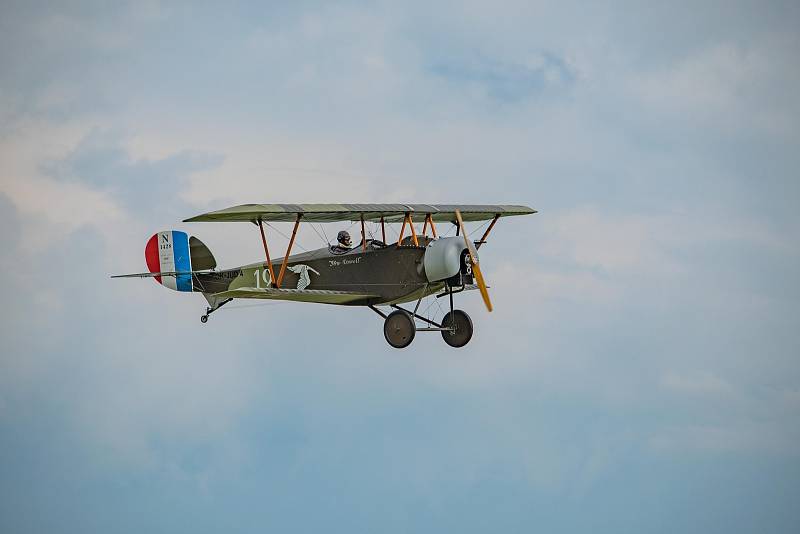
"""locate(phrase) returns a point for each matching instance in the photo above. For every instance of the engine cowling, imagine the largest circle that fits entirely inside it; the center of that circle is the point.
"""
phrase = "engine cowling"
(442, 258)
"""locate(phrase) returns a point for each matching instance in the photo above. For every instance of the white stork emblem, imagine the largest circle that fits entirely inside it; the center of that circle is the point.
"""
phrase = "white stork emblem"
(302, 270)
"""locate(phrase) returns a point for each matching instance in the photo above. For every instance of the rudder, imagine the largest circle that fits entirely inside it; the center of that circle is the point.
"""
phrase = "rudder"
(175, 251)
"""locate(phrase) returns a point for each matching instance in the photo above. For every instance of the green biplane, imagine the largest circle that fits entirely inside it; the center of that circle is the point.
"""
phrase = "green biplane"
(373, 273)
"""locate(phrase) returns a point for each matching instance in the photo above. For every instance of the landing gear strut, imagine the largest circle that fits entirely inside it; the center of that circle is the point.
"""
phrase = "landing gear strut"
(400, 328)
(209, 311)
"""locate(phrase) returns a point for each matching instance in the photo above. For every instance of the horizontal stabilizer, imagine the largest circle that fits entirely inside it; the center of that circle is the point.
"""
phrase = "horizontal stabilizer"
(164, 273)
(321, 296)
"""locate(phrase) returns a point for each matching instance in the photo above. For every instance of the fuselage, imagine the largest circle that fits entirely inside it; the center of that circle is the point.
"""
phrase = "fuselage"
(393, 274)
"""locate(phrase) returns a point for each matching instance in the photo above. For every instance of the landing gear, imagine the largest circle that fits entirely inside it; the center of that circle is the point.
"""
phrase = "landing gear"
(209, 311)
(458, 327)
(399, 329)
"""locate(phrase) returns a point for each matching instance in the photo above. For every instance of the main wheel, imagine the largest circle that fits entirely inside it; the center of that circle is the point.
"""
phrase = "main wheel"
(399, 329)
(462, 332)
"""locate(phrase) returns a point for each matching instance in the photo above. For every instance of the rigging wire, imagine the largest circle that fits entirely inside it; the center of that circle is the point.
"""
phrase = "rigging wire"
(440, 306)
(322, 227)
(479, 227)
(430, 304)
(393, 230)
(296, 242)
(315, 231)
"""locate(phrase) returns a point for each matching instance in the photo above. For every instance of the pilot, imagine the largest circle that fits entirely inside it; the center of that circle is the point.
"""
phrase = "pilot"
(344, 243)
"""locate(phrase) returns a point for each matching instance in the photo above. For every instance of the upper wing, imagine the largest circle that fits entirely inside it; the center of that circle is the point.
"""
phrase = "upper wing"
(354, 212)
(299, 295)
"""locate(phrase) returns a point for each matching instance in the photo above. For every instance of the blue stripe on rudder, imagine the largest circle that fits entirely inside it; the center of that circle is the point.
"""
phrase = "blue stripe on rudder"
(180, 249)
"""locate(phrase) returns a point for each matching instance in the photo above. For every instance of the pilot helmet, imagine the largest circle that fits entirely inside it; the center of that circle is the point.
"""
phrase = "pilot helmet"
(344, 238)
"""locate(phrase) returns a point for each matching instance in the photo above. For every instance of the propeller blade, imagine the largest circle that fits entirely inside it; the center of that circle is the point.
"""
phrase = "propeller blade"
(476, 269)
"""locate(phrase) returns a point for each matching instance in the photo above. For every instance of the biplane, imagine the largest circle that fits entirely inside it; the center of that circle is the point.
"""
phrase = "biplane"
(374, 273)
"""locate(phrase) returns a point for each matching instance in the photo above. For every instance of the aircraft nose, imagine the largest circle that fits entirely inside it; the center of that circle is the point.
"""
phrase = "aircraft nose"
(442, 258)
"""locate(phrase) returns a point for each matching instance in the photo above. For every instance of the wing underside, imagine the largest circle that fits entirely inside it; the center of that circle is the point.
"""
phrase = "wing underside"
(297, 295)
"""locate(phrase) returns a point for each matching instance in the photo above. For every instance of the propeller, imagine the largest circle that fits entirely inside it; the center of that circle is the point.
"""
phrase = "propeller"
(476, 268)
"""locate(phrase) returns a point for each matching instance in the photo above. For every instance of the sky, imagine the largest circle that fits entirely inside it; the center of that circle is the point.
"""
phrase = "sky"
(639, 373)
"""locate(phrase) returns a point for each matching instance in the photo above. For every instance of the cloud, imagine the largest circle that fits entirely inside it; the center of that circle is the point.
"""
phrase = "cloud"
(643, 335)
(157, 392)
(9, 224)
(101, 161)
(615, 244)
(731, 87)
(545, 73)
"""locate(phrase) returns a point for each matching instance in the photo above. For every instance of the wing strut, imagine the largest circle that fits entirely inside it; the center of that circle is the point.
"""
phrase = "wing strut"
(486, 233)
(363, 235)
(288, 251)
(413, 230)
(402, 229)
(429, 218)
(266, 251)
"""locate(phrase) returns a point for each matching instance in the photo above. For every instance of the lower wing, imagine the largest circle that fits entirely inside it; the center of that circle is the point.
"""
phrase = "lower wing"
(321, 296)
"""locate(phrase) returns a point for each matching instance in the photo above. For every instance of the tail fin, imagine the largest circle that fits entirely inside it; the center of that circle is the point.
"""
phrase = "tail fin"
(176, 253)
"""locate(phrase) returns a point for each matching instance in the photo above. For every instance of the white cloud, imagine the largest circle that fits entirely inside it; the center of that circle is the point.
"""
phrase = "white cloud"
(615, 243)
(51, 209)
(589, 296)
(729, 86)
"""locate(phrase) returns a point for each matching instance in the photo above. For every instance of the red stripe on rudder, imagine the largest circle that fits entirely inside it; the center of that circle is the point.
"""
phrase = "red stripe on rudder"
(151, 256)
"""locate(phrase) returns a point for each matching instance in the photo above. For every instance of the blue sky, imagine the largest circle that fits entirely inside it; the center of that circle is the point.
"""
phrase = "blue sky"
(640, 372)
